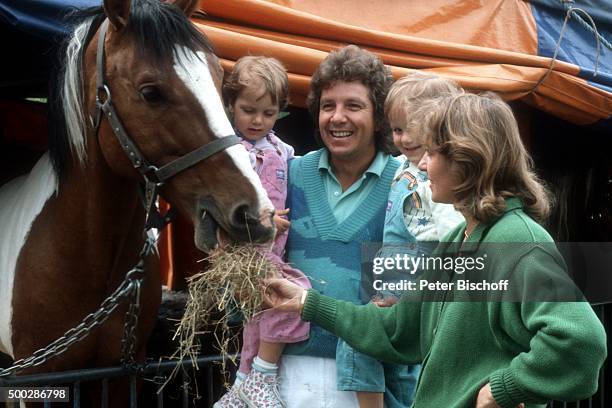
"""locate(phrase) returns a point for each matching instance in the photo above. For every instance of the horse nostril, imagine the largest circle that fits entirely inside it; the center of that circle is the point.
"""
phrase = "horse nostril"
(241, 216)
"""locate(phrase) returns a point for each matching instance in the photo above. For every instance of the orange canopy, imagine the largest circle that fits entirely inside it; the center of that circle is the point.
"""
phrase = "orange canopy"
(490, 45)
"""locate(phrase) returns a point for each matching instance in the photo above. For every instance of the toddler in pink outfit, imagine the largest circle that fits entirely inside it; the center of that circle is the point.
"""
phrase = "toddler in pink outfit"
(255, 92)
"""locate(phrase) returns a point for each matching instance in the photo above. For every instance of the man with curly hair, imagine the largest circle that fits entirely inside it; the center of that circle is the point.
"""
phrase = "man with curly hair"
(338, 197)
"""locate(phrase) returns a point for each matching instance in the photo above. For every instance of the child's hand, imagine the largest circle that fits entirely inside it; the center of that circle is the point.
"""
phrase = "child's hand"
(282, 225)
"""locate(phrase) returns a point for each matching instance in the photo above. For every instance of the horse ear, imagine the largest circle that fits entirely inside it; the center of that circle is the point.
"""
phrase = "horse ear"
(188, 6)
(118, 12)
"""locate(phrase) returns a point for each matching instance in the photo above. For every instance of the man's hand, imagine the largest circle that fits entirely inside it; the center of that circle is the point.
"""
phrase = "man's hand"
(283, 295)
(485, 398)
(282, 225)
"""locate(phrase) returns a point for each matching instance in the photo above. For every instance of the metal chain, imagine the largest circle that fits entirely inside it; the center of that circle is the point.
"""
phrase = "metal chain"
(128, 342)
(130, 285)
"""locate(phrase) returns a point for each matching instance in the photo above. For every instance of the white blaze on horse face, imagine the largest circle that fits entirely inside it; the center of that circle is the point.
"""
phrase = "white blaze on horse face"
(193, 69)
(21, 201)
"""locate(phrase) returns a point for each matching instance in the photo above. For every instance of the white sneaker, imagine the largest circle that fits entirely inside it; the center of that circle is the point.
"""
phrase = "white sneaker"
(230, 399)
(260, 391)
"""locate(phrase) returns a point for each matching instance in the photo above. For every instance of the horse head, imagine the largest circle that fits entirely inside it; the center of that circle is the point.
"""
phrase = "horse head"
(164, 82)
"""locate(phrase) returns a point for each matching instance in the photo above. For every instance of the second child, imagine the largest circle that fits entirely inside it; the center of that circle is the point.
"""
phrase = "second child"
(414, 224)
(255, 92)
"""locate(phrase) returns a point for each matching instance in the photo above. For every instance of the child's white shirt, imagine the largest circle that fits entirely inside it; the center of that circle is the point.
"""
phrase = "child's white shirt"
(425, 219)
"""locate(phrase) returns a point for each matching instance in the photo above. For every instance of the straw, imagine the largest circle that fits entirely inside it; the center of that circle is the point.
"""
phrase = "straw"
(231, 286)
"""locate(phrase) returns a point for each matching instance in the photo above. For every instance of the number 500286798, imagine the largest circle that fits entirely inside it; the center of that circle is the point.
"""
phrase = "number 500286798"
(34, 394)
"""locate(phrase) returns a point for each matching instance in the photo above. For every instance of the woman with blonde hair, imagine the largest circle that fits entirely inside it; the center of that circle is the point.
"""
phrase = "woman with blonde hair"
(522, 352)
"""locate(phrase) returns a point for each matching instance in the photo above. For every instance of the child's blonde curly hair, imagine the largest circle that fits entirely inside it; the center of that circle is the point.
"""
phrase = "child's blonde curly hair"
(409, 92)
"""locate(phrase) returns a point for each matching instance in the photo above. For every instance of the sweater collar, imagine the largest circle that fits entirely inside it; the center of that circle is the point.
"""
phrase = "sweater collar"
(376, 167)
(512, 203)
(454, 242)
(326, 223)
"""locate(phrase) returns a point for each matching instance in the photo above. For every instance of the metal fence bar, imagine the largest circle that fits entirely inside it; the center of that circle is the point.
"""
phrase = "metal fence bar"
(160, 398)
(77, 395)
(65, 377)
(209, 385)
(133, 394)
(105, 393)
(76, 377)
(602, 385)
(606, 320)
(91, 374)
(185, 399)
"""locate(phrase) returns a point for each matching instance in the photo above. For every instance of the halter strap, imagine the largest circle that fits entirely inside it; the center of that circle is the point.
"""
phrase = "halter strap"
(104, 105)
(195, 156)
(149, 172)
(154, 177)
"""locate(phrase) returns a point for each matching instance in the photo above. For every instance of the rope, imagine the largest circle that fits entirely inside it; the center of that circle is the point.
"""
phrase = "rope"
(598, 36)
(573, 11)
(592, 28)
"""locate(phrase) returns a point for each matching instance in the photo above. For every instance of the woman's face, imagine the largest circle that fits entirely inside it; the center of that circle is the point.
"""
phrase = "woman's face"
(346, 121)
(442, 176)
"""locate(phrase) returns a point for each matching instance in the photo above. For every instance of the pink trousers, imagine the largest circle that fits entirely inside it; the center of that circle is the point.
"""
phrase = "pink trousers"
(273, 326)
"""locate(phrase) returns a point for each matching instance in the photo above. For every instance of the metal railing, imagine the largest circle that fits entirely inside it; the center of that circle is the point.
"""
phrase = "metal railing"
(192, 387)
(603, 396)
(197, 388)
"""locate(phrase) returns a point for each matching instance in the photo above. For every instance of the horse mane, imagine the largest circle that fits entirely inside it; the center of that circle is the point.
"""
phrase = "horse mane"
(157, 28)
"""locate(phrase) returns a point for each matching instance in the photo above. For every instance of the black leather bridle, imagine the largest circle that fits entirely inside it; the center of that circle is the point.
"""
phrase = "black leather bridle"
(154, 177)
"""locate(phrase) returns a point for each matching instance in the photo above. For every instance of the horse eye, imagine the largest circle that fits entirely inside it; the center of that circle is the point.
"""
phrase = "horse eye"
(151, 94)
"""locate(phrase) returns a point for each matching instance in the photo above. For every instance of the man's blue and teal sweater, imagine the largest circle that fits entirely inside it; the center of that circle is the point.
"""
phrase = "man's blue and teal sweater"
(327, 252)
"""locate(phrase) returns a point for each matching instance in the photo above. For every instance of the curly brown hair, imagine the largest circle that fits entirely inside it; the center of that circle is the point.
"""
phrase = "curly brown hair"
(350, 64)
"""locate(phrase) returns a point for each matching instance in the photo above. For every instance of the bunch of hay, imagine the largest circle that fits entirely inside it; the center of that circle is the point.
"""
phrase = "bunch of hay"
(231, 285)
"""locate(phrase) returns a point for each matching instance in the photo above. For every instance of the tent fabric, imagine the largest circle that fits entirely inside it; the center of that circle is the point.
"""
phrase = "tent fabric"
(499, 45)
(43, 18)
(504, 46)
(579, 46)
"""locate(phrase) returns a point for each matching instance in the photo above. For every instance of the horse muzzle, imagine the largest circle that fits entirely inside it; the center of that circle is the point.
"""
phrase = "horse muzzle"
(239, 224)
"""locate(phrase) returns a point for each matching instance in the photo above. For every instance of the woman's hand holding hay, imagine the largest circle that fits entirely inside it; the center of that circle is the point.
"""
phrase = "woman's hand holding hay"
(229, 286)
(283, 295)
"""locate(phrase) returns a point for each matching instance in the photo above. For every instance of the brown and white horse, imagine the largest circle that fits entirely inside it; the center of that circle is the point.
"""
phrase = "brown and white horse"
(73, 227)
